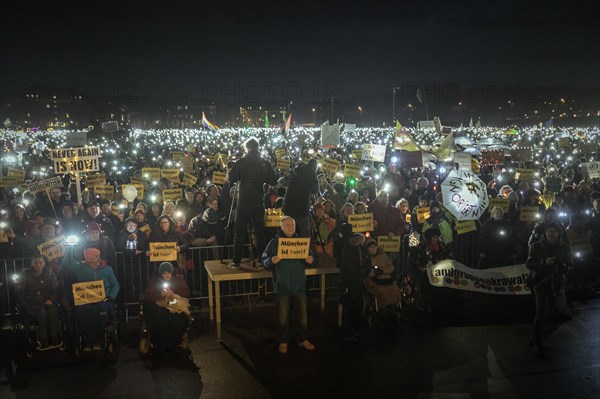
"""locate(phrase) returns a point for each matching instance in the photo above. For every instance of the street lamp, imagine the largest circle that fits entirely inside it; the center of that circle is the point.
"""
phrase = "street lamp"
(360, 110)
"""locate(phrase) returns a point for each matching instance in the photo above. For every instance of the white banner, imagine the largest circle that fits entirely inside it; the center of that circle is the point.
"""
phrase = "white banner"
(463, 159)
(507, 280)
(373, 152)
(330, 135)
(591, 169)
(349, 127)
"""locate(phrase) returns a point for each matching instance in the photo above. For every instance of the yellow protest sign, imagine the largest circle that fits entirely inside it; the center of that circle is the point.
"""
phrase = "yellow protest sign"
(527, 175)
(105, 192)
(189, 179)
(96, 179)
(499, 202)
(273, 217)
(283, 164)
(163, 251)
(9, 182)
(529, 214)
(171, 174)
(408, 217)
(423, 214)
(330, 165)
(135, 181)
(357, 154)
(146, 229)
(53, 249)
(171, 194)
(212, 158)
(389, 244)
(151, 173)
(361, 222)
(293, 248)
(475, 166)
(3, 237)
(178, 155)
(218, 177)
(187, 164)
(352, 171)
(465, 226)
(563, 142)
(280, 153)
(88, 292)
(18, 173)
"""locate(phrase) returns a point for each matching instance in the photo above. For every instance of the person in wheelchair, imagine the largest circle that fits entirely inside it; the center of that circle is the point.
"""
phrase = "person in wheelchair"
(37, 294)
(92, 318)
(166, 308)
(381, 282)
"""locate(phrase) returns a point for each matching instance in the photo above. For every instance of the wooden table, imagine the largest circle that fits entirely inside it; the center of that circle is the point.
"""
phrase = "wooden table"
(218, 272)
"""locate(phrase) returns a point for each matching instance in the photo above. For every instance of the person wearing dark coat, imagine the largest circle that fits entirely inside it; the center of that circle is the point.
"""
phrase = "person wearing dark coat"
(297, 200)
(166, 328)
(164, 231)
(132, 244)
(71, 222)
(251, 172)
(497, 240)
(95, 215)
(105, 245)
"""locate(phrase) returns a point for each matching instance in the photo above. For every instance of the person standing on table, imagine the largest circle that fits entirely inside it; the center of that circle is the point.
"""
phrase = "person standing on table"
(296, 203)
(289, 285)
(251, 172)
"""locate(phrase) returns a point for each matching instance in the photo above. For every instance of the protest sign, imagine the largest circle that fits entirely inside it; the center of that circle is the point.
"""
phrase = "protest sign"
(177, 155)
(53, 249)
(330, 135)
(526, 175)
(361, 222)
(3, 237)
(218, 177)
(357, 154)
(43, 185)
(293, 248)
(76, 139)
(189, 179)
(152, 174)
(352, 171)
(146, 229)
(409, 160)
(163, 251)
(171, 174)
(581, 248)
(280, 153)
(88, 292)
(499, 202)
(212, 159)
(9, 182)
(18, 173)
(349, 127)
(283, 164)
(529, 214)
(465, 226)
(187, 164)
(463, 159)
(330, 165)
(73, 160)
(273, 217)
(423, 214)
(591, 170)
(563, 142)
(105, 192)
(373, 152)
(171, 194)
(95, 179)
(389, 244)
(507, 280)
(492, 157)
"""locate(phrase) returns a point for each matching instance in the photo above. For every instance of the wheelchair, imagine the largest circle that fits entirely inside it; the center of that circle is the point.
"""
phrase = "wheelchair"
(146, 342)
(413, 296)
(110, 346)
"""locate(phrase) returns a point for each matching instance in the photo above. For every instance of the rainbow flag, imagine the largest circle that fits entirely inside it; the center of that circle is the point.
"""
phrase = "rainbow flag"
(206, 123)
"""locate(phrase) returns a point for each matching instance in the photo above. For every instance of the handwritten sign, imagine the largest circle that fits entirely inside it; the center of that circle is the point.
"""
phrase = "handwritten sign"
(273, 217)
(163, 251)
(43, 185)
(499, 202)
(178, 155)
(357, 154)
(212, 159)
(465, 226)
(581, 248)
(463, 159)
(218, 177)
(529, 214)
(361, 222)
(189, 179)
(280, 153)
(352, 171)
(389, 244)
(409, 160)
(293, 248)
(330, 165)
(151, 173)
(423, 214)
(73, 160)
(171, 174)
(527, 175)
(283, 164)
(373, 152)
(105, 192)
(9, 182)
(95, 179)
(88, 292)
(18, 173)
(171, 194)
(591, 170)
(53, 249)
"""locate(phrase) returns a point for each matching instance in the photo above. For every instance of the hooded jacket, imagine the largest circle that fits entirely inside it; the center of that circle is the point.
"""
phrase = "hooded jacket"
(288, 274)
(84, 273)
(251, 172)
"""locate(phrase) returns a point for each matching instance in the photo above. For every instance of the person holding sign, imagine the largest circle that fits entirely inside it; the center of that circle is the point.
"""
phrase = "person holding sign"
(289, 285)
(92, 317)
(164, 231)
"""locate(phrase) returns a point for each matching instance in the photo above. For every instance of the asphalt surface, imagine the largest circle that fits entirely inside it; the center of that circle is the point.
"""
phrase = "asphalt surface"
(478, 351)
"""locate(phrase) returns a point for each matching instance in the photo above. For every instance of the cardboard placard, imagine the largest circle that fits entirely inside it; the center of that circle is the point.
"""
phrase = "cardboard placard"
(187, 164)
(527, 175)
(563, 142)
(18, 173)
(499, 202)
(373, 152)
(283, 164)
(218, 177)
(44, 185)
(423, 214)
(9, 182)
(273, 217)
(105, 192)
(293, 248)
(163, 251)
(88, 292)
(73, 160)
(330, 165)
(189, 179)
(529, 214)
(53, 249)
(95, 179)
(280, 153)
(152, 174)
(361, 222)
(177, 155)
(463, 159)
(352, 171)
(171, 174)
(389, 244)
(357, 154)
(465, 226)
(171, 194)
(212, 159)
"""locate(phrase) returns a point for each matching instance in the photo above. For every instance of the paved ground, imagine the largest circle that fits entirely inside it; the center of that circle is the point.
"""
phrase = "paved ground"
(479, 352)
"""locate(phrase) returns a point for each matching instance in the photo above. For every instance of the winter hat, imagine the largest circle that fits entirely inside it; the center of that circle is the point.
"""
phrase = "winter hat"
(165, 267)
(92, 226)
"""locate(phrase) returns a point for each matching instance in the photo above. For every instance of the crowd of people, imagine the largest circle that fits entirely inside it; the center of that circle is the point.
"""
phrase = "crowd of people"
(560, 244)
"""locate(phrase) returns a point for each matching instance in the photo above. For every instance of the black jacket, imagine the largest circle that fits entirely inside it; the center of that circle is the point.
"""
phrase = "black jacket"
(252, 172)
(303, 183)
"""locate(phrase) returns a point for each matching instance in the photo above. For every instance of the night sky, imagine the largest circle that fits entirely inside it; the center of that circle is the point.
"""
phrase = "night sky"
(345, 49)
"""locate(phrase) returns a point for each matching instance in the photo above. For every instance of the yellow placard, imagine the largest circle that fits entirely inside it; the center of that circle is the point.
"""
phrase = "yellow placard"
(88, 292)
(187, 164)
(152, 174)
(529, 214)
(138, 187)
(212, 158)
(475, 166)
(527, 175)
(171, 174)
(499, 202)
(465, 226)
(171, 194)
(352, 171)
(273, 217)
(423, 214)
(135, 181)
(283, 164)
(218, 177)
(18, 173)
(361, 222)
(330, 165)
(105, 192)
(9, 182)
(280, 153)
(53, 249)
(563, 142)
(163, 251)
(389, 244)
(189, 179)
(145, 229)
(223, 157)
(293, 248)
(3, 237)
(357, 154)
(96, 179)
(177, 155)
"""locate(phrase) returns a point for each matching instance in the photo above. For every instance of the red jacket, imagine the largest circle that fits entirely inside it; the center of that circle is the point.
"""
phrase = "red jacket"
(388, 220)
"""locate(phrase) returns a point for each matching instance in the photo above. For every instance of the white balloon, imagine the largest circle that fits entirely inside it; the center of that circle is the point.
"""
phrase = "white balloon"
(130, 193)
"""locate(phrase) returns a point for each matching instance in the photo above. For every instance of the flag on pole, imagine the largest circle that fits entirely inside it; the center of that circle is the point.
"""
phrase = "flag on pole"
(549, 123)
(471, 123)
(478, 123)
(446, 148)
(288, 123)
(403, 140)
(206, 123)
(267, 125)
